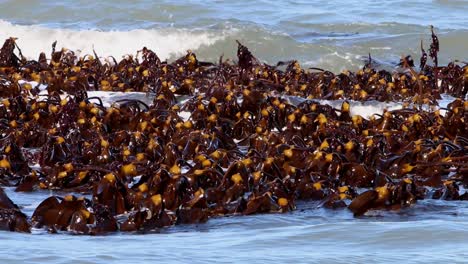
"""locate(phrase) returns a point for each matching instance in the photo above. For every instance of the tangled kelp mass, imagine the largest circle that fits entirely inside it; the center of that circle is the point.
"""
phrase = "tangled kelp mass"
(221, 139)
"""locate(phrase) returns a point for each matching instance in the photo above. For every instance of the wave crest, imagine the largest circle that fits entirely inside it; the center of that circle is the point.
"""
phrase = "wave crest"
(166, 42)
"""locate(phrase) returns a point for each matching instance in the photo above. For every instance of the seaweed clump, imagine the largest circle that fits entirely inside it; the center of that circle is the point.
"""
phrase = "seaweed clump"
(242, 143)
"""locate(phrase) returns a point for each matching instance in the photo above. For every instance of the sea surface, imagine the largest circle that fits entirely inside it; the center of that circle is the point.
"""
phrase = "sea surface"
(334, 35)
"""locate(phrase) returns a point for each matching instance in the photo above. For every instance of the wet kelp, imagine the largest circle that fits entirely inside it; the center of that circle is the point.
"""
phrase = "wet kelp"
(238, 145)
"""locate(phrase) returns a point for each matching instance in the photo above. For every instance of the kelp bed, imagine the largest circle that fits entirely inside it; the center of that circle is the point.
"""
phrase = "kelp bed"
(243, 148)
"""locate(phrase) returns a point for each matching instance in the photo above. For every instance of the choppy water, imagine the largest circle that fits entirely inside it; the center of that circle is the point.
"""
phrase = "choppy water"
(329, 34)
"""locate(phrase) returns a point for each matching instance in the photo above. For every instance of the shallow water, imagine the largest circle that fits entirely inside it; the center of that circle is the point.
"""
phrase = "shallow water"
(428, 232)
(335, 35)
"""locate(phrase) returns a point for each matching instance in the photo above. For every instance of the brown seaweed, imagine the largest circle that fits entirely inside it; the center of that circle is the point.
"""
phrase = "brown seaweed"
(255, 141)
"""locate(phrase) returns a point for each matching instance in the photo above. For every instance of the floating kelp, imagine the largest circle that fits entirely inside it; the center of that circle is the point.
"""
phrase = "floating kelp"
(11, 218)
(237, 145)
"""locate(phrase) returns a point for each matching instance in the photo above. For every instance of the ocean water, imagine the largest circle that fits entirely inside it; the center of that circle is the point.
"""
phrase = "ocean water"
(335, 35)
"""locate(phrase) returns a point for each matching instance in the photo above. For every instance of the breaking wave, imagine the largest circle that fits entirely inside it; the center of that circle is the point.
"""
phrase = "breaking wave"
(166, 42)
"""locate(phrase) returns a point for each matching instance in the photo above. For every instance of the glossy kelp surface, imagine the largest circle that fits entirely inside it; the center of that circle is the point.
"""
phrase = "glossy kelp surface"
(236, 145)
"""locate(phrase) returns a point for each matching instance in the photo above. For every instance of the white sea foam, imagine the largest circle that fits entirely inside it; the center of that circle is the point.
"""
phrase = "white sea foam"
(185, 115)
(165, 42)
(108, 98)
(364, 109)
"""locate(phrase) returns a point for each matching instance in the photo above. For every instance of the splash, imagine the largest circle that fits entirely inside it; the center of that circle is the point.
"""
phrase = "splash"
(166, 43)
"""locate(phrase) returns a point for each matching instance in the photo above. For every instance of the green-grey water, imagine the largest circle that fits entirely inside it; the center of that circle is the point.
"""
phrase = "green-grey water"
(335, 35)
